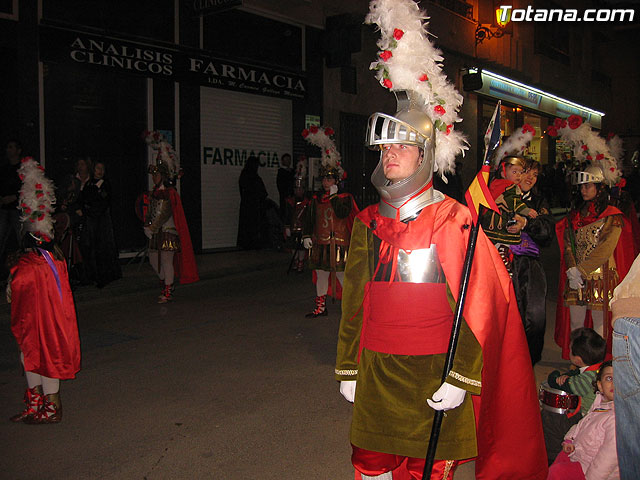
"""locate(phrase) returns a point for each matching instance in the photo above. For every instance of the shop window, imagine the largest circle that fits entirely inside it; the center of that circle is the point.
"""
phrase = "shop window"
(538, 149)
(142, 18)
(242, 36)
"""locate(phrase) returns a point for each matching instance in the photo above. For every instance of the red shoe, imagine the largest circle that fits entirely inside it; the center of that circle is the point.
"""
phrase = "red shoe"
(321, 308)
(33, 402)
(49, 412)
(166, 295)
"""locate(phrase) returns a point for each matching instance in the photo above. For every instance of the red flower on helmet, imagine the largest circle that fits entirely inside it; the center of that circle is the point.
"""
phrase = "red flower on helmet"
(613, 169)
(449, 128)
(39, 186)
(622, 183)
(41, 207)
(305, 133)
(313, 129)
(574, 121)
(584, 147)
(424, 77)
(387, 83)
(439, 110)
(552, 131)
(528, 128)
(386, 55)
(328, 131)
(557, 123)
(589, 157)
(41, 217)
(397, 33)
(600, 156)
(39, 195)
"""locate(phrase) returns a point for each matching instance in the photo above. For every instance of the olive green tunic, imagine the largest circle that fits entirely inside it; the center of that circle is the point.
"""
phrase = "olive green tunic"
(390, 410)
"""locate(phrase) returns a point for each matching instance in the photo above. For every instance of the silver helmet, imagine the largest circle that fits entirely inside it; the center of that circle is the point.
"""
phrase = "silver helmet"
(409, 126)
(591, 174)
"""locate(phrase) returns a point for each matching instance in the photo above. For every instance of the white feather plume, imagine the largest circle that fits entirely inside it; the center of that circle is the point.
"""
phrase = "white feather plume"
(37, 198)
(409, 61)
(321, 137)
(166, 154)
(515, 144)
(589, 147)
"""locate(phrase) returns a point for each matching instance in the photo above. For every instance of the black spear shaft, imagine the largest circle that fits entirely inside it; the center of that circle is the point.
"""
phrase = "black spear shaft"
(453, 344)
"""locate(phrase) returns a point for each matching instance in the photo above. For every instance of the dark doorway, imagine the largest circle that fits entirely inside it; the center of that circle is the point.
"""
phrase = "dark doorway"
(100, 115)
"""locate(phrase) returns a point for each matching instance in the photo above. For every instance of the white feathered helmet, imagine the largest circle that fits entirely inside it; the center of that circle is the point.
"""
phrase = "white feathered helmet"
(36, 201)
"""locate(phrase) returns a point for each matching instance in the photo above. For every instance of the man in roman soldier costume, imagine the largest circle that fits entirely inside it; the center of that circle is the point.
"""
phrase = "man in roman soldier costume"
(170, 249)
(401, 285)
(295, 215)
(328, 223)
(43, 315)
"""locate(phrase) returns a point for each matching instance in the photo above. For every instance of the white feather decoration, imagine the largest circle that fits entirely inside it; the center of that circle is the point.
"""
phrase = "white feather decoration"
(409, 61)
(515, 144)
(321, 137)
(587, 146)
(166, 154)
(37, 199)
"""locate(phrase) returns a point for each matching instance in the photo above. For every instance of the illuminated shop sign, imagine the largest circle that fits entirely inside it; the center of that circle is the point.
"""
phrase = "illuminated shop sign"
(504, 88)
(81, 48)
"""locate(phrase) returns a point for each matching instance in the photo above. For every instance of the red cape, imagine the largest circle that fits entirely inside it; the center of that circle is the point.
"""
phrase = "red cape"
(624, 257)
(498, 186)
(509, 428)
(43, 322)
(185, 260)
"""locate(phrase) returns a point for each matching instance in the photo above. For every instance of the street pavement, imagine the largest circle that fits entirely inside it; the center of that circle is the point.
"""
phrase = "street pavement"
(228, 381)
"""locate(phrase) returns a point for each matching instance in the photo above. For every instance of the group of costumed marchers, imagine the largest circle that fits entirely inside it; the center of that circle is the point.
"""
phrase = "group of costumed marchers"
(401, 284)
(43, 315)
(595, 239)
(170, 250)
(328, 222)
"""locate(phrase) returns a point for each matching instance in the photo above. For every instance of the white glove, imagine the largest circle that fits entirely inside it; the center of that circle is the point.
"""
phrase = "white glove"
(307, 243)
(348, 389)
(447, 397)
(148, 232)
(575, 278)
(333, 189)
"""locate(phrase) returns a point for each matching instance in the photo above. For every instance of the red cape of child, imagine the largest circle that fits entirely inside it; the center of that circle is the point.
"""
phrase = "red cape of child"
(43, 318)
(624, 257)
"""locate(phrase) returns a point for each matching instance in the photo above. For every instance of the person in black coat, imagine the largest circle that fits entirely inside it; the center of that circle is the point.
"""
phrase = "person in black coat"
(529, 280)
(103, 253)
(253, 196)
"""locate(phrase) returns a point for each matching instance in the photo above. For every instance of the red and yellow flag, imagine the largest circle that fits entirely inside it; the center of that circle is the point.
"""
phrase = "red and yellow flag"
(479, 194)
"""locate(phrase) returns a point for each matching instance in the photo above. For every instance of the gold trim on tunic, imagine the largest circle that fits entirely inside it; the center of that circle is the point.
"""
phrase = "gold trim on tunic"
(463, 379)
(345, 372)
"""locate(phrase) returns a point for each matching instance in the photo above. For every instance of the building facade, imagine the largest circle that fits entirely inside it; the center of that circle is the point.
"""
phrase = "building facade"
(227, 79)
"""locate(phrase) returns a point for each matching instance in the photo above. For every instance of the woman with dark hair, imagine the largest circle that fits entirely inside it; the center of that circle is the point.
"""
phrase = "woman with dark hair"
(43, 316)
(102, 251)
(529, 280)
(596, 252)
(253, 195)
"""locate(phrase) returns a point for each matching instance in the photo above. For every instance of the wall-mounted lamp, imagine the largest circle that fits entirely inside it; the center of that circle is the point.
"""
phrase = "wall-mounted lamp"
(488, 31)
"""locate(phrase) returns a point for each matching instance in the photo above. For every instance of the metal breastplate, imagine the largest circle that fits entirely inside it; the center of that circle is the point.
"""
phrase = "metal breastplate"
(587, 238)
(418, 266)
